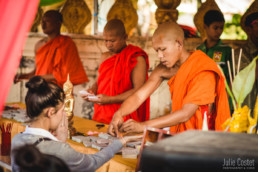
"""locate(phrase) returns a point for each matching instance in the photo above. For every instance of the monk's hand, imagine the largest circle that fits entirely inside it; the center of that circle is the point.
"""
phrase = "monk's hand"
(132, 126)
(92, 91)
(88, 95)
(101, 99)
(61, 131)
(115, 124)
(85, 97)
(16, 78)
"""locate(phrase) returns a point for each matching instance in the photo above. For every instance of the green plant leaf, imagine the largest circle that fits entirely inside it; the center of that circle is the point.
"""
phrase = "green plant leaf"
(243, 82)
(49, 2)
(228, 89)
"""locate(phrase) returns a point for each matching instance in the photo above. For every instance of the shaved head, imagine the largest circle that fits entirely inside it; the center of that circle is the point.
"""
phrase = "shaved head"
(117, 26)
(51, 22)
(168, 42)
(56, 15)
(169, 31)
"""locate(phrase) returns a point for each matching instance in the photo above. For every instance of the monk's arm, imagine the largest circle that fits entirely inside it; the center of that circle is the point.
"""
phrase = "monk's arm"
(20, 77)
(202, 90)
(136, 99)
(174, 118)
(138, 77)
(157, 76)
(27, 75)
(177, 117)
(49, 77)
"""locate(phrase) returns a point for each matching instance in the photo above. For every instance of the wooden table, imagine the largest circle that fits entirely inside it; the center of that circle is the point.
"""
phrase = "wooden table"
(115, 164)
(5, 163)
(83, 125)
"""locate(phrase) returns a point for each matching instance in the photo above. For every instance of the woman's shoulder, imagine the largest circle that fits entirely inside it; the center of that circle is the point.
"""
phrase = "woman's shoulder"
(22, 139)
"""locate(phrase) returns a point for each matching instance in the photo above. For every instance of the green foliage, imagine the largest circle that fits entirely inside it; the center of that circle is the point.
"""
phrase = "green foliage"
(233, 30)
(243, 82)
(49, 2)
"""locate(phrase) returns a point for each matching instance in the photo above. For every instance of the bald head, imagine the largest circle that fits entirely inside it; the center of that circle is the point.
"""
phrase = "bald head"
(117, 26)
(56, 15)
(51, 23)
(169, 31)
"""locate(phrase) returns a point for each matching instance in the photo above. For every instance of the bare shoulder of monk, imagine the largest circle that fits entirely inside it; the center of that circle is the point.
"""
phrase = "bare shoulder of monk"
(105, 56)
(39, 44)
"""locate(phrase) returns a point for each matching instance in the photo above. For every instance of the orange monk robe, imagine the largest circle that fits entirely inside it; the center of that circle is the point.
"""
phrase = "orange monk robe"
(115, 78)
(199, 81)
(60, 57)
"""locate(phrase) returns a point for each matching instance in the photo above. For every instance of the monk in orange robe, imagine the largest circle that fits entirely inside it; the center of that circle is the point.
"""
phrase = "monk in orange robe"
(196, 84)
(56, 55)
(123, 69)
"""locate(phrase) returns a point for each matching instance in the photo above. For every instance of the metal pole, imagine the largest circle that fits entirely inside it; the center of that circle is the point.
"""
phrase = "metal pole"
(95, 14)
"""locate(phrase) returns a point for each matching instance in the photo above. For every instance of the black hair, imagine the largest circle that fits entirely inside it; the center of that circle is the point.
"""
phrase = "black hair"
(55, 14)
(250, 18)
(41, 95)
(213, 16)
(30, 159)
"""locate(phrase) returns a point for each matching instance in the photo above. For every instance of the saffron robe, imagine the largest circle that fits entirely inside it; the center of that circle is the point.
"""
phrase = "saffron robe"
(60, 57)
(115, 78)
(185, 89)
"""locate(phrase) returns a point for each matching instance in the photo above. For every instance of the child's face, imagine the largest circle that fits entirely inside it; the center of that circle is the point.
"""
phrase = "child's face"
(214, 30)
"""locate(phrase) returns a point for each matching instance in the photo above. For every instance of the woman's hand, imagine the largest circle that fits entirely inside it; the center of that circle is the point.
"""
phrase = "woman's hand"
(62, 129)
(127, 139)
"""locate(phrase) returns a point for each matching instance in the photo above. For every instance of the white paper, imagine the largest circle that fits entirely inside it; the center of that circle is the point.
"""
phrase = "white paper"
(92, 97)
(84, 93)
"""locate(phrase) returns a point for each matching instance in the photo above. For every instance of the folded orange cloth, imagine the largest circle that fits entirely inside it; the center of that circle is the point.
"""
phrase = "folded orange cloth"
(60, 57)
(114, 78)
(194, 83)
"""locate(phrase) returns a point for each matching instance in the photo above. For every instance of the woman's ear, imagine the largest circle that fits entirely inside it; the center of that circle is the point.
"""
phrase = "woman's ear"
(51, 111)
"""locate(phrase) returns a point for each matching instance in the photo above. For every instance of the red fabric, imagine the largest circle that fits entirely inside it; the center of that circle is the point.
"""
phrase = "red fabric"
(114, 78)
(192, 90)
(60, 57)
(16, 18)
(210, 116)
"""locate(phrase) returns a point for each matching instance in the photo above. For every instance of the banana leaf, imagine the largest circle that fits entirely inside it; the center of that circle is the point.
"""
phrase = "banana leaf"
(243, 82)
(228, 89)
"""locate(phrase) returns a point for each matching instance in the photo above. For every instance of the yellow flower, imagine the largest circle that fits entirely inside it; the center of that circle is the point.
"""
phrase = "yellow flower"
(239, 121)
